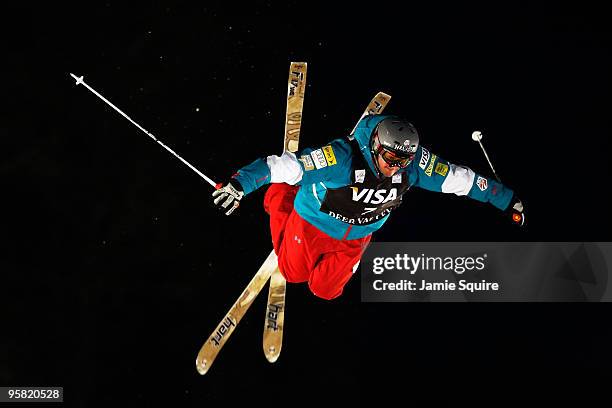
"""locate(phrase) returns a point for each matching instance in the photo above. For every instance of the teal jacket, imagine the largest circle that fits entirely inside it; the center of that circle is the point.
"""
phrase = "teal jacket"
(334, 167)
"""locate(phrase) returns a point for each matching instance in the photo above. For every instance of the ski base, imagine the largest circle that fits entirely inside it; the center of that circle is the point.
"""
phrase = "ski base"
(295, 103)
(224, 330)
(275, 317)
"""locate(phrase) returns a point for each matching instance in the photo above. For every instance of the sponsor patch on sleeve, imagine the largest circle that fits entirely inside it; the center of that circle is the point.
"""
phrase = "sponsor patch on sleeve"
(329, 155)
(482, 183)
(359, 176)
(441, 169)
(307, 162)
(431, 165)
(424, 158)
(319, 158)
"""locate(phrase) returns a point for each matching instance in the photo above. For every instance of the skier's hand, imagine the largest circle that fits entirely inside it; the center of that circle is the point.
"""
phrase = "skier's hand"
(516, 211)
(227, 198)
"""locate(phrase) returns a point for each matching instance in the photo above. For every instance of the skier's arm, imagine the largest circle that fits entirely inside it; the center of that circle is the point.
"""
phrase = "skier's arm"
(306, 167)
(310, 166)
(433, 173)
(244, 181)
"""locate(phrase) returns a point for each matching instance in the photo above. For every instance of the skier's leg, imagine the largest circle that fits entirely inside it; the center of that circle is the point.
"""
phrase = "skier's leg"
(296, 259)
(278, 203)
(293, 263)
(334, 269)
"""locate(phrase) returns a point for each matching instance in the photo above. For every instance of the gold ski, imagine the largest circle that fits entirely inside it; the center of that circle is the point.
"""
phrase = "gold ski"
(275, 310)
(375, 107)
(275, 317)
(295, 103)
(224, 330)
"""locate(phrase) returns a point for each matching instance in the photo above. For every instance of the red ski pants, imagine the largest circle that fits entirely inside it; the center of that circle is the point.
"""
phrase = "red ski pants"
(306, 254)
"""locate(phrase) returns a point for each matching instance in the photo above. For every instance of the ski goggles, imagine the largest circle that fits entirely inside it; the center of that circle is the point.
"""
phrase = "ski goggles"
(393, 160)
(390, 157)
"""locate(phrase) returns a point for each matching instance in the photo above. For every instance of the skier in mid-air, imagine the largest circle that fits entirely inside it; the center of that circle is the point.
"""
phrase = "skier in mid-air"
(324, 204)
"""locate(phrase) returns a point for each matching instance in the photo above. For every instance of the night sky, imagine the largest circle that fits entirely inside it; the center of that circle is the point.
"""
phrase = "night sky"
(116, 267)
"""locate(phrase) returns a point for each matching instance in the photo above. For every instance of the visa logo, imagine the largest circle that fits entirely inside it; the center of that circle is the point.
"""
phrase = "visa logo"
(371, 196)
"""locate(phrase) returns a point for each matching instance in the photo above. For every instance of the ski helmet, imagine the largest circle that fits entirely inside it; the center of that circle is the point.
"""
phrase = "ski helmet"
(396, 141)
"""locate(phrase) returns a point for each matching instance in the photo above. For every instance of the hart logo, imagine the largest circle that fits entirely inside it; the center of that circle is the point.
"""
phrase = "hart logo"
(371, 196)
(295, 81)
(272, 317)
(224, 327)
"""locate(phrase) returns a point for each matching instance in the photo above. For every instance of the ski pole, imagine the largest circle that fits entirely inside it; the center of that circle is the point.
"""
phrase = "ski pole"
(80, 81)
(477, 137)
(518, 217)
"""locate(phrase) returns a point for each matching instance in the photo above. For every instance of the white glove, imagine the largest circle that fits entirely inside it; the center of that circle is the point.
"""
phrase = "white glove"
(232, 193)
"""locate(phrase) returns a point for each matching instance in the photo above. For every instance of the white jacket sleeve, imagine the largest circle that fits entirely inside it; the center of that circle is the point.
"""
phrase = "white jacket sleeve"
(284, 169)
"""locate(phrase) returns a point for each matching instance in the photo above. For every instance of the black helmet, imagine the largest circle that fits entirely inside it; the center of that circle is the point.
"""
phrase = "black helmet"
(396, 140)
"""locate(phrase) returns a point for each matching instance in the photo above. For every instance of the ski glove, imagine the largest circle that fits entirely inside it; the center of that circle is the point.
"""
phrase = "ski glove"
(228, 197)
(516, 211)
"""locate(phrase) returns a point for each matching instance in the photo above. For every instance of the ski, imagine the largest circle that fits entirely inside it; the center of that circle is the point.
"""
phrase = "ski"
(275, 309)
(375, 107)
(224, 330)
(275, 317)
(276, 297)
(295, 103)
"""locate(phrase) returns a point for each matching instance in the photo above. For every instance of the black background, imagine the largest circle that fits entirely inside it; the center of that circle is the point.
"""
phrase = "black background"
(116, 267)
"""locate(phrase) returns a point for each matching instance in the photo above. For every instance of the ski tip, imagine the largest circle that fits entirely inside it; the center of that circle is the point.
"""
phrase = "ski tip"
(202, 366)
(271, 351)
(272, 354)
